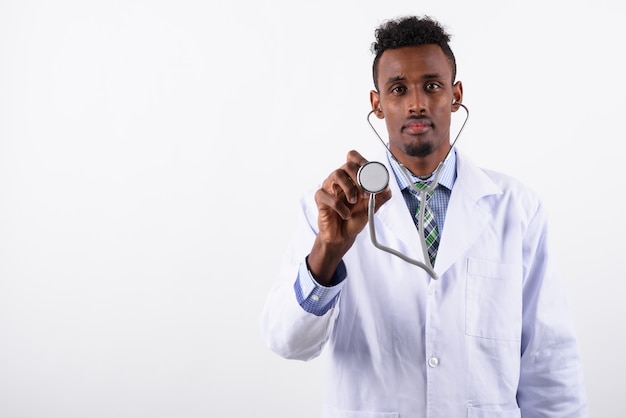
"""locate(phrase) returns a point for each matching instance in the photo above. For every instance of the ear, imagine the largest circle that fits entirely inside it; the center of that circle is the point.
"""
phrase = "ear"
(457, 95)
(375, 102)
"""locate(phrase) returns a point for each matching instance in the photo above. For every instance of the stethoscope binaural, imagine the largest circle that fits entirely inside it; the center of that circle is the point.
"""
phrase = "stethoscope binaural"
(373, 177)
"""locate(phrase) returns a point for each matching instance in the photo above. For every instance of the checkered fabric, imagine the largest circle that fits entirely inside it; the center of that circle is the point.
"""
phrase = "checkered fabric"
(431, 232)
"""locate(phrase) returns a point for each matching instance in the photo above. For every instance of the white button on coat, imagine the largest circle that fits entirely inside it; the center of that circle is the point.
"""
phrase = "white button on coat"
(433, 361)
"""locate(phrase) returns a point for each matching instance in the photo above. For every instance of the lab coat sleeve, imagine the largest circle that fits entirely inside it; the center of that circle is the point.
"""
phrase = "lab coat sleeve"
(286, 328)
(551, 378)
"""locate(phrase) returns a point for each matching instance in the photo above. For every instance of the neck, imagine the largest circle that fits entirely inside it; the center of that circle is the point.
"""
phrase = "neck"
(422, 167)
(426, 177)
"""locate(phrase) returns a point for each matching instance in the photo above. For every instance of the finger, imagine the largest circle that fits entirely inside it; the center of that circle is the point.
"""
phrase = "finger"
(337, 204)
(356, 158)
(342, 185)
(381, 198)
(354, 161)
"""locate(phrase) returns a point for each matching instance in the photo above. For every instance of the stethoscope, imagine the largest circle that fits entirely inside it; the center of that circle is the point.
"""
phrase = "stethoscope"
(373, 177)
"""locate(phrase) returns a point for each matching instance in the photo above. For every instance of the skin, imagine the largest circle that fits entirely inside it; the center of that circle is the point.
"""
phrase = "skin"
(416, 100)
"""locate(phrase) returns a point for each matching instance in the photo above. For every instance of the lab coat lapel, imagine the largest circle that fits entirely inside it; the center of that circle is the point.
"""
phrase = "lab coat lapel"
(466, 218)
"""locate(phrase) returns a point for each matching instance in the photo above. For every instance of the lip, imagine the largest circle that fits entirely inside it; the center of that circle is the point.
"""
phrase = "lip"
(417, 126)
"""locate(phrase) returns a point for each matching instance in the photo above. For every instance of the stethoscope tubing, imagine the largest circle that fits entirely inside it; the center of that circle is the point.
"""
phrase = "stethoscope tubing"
(426, 266)
(372, 229)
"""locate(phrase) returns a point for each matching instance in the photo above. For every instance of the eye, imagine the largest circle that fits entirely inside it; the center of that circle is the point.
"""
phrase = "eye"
(398, 90)
(432, 86)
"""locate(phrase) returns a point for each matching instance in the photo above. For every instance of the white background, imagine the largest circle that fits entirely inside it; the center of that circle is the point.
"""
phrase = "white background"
(151, 158)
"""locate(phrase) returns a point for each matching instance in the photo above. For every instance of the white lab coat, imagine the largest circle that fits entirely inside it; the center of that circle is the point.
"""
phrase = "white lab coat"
(491, 338)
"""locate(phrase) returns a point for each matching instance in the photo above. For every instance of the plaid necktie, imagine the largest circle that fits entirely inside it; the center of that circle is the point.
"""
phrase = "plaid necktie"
(431, 232)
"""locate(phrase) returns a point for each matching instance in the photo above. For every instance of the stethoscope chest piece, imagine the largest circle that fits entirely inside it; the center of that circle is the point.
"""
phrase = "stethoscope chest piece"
(373, 177)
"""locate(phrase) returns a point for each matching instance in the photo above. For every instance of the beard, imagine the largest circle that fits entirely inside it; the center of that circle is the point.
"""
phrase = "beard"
(419, 150)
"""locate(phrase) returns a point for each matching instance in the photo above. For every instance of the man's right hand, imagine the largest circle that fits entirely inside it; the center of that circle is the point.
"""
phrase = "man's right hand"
(342, 207)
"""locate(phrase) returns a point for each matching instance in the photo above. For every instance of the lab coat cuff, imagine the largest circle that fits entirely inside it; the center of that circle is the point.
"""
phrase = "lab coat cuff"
(312, 296)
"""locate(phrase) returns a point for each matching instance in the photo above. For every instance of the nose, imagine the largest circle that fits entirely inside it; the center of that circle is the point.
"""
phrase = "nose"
(416, 101)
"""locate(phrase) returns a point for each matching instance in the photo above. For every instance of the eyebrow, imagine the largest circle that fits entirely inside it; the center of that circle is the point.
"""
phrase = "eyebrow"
(392, 80)
(395, 79)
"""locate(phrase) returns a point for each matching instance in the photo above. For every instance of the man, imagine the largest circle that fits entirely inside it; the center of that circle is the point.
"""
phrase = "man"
(490, 337)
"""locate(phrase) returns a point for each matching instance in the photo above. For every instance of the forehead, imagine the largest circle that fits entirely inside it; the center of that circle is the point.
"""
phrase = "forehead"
(414, 61)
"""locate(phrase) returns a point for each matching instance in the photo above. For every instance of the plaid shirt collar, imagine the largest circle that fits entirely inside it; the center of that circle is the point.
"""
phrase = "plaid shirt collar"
(446, 179)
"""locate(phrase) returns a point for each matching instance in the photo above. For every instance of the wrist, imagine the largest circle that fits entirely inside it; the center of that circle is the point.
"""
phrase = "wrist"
(323, 261)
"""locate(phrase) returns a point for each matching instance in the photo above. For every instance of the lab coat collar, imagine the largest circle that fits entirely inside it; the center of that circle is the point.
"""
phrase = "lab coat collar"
(465, 218)
(446, 179)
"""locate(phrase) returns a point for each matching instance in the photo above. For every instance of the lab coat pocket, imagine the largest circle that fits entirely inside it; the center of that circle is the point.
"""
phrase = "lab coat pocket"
(490, 413)
(493, 301)
(330, 412)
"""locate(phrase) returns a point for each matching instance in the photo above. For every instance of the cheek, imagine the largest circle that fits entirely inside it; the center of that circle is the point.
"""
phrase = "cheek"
(444, 113)
(391, 123)
(393, 112)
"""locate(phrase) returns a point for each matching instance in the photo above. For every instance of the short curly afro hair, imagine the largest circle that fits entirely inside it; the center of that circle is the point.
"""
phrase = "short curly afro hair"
(410, 31)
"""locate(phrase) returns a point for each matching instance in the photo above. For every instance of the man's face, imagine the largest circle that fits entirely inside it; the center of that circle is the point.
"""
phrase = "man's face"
(415, 96)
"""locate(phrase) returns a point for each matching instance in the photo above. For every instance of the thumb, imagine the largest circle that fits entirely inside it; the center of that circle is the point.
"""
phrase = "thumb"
(381, 198)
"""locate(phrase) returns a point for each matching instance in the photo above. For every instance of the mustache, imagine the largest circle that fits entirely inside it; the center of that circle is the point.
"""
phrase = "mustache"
(418, 117)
